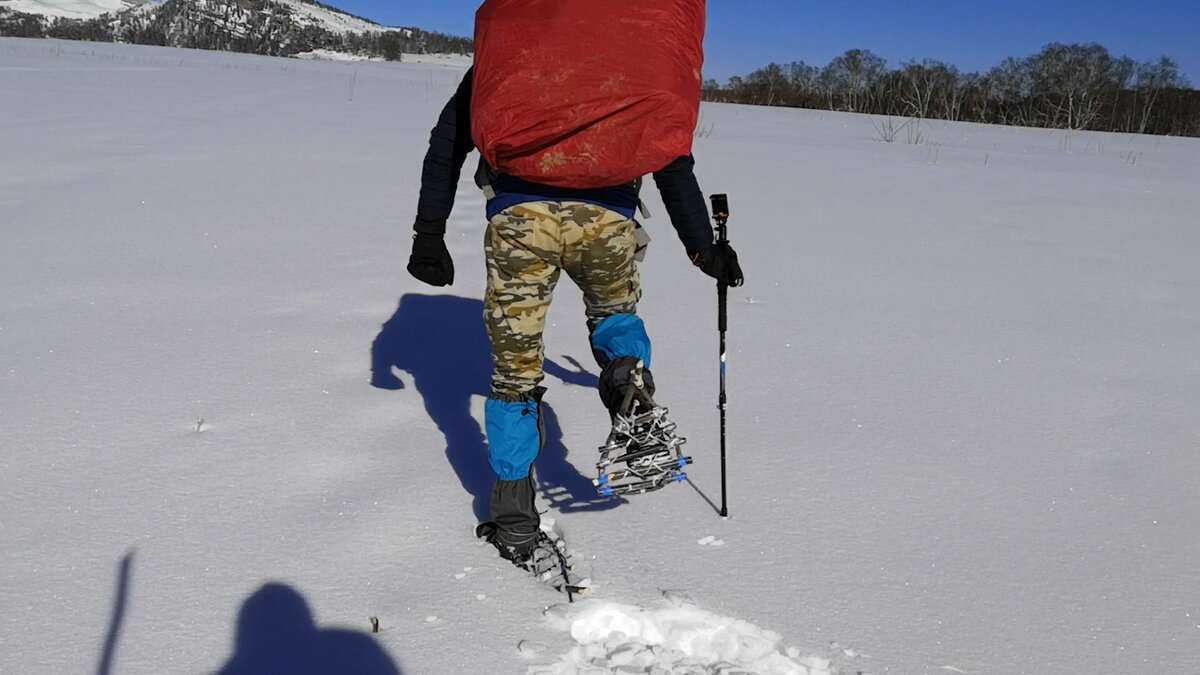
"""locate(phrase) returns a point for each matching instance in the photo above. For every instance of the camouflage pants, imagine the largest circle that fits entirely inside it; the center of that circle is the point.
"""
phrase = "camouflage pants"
(527, 247)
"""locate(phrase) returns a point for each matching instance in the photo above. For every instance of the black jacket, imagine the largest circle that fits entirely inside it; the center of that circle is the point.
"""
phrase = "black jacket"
(450, 143)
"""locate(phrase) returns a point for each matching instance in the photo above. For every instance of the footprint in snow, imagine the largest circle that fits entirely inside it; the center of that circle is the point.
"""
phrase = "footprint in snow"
(530, 649)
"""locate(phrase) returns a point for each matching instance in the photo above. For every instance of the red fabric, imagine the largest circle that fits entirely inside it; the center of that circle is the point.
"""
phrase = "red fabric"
(586, 93)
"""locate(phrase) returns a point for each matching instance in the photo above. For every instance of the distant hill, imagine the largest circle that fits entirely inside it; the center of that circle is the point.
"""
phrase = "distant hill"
(69, 9)
(272, 27)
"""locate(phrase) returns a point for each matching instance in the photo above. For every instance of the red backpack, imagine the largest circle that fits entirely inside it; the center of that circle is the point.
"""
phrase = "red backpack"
(586, 93)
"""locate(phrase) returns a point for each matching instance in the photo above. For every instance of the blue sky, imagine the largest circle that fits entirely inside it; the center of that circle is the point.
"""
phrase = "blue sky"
(972, 35)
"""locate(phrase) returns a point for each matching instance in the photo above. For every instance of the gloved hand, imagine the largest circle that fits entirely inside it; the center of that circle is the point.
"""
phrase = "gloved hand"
(430, 261)
(720, 262)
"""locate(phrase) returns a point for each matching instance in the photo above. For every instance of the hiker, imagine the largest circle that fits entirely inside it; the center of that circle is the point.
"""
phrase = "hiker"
(539, 227)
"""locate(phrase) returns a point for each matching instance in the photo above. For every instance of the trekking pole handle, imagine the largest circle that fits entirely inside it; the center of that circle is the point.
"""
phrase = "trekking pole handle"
(720, 209)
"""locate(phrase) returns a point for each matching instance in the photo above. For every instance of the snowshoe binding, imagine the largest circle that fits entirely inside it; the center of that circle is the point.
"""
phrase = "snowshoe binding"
(544, 555)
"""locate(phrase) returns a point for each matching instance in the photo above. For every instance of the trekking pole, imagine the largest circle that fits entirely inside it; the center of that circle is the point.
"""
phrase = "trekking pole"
(720, 208)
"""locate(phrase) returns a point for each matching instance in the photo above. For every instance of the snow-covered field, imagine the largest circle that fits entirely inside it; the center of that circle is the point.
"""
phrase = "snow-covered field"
(964, 384)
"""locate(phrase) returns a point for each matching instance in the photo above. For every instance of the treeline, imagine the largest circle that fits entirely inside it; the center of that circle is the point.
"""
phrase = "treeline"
(1065, 86)
(248, 26)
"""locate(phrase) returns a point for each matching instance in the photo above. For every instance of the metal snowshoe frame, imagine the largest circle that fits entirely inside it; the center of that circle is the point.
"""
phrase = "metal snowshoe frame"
(550, 565)
(648, 452)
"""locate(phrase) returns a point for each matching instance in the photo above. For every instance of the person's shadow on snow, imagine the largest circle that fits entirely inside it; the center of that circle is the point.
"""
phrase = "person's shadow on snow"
(440, 340)
(276, 634)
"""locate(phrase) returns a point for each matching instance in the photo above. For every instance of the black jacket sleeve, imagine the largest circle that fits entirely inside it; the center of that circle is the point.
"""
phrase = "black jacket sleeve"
(685, 204)
(449, 144)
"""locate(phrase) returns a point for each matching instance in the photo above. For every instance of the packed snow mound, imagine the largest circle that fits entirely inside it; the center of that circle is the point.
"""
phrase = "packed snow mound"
(677, 637)
(332, 55)
(462, 61)
(70, 9)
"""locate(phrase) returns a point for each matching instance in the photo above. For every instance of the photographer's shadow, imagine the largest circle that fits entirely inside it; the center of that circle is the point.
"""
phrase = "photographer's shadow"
(276, 633)
(441, 342)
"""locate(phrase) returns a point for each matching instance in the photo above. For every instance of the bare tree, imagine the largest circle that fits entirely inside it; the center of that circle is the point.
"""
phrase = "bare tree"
(919, 83)
(769, 84)
(1009, 89)
(1071, 81)
(804, 81)
(853, 76)
(1150, 79)
(929, 82)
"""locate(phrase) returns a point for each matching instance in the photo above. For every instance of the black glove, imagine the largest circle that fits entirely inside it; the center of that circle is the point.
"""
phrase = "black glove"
(430, 261)
(720, 262)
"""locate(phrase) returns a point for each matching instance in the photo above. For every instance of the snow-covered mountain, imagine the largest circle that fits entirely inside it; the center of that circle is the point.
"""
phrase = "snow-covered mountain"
(309, 13)
(274, 27)
(70, 9)
(331, 19)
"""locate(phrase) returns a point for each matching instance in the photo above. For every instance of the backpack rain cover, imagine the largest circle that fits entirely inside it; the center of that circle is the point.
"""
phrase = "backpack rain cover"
(586, 93)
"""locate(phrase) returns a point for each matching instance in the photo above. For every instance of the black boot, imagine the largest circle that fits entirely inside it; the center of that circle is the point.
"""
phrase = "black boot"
(618, 386)
(515, 522)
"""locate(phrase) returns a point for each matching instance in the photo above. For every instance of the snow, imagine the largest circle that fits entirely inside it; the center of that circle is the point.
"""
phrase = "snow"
(448, 60)
(677, 637)
(331, 55)
(962, 394)
(455, 61)
(310, 14)
(70, 9)
(336, 22)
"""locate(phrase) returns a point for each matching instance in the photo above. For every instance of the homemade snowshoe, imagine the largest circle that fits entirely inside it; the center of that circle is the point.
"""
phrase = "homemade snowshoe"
(545, 557)
(643, 453)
